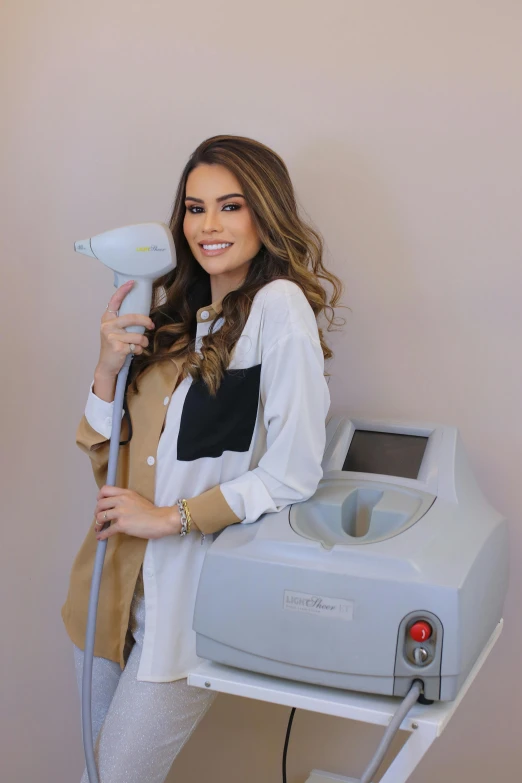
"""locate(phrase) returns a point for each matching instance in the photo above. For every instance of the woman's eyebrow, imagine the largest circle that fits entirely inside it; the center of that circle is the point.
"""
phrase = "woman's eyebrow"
(221, 198)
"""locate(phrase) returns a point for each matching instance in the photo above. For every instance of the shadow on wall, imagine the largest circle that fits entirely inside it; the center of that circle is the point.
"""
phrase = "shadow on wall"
(350, 200)
(366, 245)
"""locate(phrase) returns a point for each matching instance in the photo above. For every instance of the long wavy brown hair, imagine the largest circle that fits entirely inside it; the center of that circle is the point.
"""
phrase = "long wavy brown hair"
(290, 250)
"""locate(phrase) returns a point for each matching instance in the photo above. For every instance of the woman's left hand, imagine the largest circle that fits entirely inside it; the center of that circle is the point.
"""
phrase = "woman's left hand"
(134, 515)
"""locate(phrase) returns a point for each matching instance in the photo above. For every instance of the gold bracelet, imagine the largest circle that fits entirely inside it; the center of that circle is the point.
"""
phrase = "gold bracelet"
(187, 513)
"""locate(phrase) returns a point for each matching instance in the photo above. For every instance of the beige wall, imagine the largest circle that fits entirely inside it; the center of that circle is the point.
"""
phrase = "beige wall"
(401, 125)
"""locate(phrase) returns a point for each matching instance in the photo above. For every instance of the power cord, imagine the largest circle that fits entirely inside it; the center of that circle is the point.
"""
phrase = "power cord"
(287, 738)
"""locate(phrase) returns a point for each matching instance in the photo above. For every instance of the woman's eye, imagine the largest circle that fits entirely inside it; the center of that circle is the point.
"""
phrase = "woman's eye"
(229, 207)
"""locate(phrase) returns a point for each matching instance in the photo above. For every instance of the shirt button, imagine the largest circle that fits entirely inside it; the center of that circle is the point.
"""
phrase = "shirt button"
(166, 401)
(149, 572)
(150, 460)
(205, 314)
(108, 421)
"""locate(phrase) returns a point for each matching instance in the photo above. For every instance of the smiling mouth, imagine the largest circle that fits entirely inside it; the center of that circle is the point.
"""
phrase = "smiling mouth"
(214, 248)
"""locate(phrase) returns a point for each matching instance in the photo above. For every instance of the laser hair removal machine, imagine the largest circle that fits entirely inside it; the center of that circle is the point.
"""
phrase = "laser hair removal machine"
(394, 571)
(142, 252)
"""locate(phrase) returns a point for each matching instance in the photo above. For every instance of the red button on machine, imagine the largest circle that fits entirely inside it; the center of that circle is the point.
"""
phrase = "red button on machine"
(420, 631)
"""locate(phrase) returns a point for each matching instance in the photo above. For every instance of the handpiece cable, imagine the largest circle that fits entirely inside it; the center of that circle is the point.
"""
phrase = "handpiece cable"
(88, 743)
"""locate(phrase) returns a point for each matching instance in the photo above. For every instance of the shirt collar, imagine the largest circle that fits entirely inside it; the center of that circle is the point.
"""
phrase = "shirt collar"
(206, 314)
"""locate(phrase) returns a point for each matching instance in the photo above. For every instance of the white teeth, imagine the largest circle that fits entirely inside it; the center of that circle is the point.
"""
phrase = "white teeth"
(217, 247)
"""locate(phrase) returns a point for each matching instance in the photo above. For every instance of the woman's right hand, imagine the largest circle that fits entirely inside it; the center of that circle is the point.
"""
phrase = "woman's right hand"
(115, 340)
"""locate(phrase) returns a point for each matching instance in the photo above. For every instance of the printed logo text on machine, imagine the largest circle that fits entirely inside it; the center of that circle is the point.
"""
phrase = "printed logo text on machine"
(321, 605)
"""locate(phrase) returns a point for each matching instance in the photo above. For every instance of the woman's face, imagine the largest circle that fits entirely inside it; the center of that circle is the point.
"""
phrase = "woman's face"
(218, 225)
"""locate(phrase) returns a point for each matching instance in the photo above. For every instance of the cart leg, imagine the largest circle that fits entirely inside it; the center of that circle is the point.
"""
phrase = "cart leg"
(402, 766)
(411, 753)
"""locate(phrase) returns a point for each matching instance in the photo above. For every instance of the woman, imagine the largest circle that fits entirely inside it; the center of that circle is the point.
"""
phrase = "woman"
(225, 421)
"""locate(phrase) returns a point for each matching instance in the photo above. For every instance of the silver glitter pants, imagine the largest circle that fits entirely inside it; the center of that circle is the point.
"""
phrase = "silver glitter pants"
(138, 727)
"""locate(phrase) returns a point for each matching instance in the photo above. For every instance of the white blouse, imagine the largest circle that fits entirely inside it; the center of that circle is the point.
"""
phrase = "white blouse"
(261, 440)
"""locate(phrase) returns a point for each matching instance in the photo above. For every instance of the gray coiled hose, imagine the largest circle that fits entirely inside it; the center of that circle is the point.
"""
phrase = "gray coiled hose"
(114, 447)
(392, 729)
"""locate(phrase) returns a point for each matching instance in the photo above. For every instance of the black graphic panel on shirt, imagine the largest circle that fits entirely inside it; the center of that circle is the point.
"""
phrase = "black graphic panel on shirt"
(211, 425)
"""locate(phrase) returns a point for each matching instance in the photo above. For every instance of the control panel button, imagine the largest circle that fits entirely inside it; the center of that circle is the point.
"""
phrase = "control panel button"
(420, 631)
(420, 656)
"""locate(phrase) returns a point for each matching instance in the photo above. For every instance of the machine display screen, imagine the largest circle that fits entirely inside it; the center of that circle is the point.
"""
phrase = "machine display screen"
(387, 453)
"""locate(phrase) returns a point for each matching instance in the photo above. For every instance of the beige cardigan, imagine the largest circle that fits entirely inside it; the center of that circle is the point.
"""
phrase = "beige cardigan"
(124, 555)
